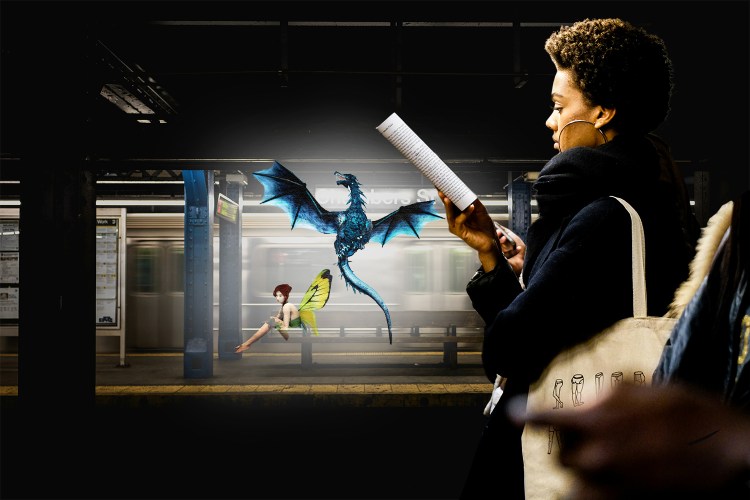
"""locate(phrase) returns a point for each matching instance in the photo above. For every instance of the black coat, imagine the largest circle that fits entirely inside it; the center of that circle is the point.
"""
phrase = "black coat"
(577, 273)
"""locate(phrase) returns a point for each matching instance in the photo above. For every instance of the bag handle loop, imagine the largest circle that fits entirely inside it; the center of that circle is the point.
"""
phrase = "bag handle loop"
(638, 249)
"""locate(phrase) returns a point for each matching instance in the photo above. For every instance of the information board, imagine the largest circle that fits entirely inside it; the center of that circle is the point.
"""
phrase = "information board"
(9, 270)
(107, 266)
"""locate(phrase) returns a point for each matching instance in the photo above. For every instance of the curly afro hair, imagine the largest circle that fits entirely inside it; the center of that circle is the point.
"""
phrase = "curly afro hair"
(284, 289)
(617, 65)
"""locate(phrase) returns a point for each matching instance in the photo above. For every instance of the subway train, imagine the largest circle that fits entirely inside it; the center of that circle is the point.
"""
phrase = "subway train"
(422, 280)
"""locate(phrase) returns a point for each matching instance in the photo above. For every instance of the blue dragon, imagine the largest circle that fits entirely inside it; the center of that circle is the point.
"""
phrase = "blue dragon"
(352, 228)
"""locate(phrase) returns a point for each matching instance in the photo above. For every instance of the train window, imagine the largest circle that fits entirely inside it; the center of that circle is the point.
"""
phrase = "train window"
(145, 269)
(292, 263)
(418, 265)
(462, 263)
(176, 257)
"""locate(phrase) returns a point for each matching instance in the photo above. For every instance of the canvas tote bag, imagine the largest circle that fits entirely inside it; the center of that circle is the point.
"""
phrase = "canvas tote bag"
(627, 351)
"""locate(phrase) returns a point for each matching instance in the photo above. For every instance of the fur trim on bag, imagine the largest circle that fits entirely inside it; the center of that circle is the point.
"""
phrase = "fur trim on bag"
(708, 243)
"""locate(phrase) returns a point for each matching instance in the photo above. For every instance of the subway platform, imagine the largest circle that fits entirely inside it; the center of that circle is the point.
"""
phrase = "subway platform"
(354, 425)
(335, 375)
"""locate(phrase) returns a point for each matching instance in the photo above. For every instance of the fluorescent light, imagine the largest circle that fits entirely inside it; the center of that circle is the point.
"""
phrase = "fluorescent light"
(124, 99)
(125, 203)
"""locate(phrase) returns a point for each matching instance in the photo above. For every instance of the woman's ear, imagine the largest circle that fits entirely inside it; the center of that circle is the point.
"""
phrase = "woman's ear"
(604, 117)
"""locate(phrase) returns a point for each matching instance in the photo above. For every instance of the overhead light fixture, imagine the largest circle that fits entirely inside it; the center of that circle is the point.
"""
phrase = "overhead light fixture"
(136, 92)
(124, 99)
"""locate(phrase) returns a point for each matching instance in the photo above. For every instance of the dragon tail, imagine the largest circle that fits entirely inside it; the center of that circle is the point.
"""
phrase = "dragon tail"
(358, 285)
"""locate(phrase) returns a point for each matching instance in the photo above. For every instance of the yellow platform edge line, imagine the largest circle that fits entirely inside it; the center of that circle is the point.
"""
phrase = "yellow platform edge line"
(312, 389)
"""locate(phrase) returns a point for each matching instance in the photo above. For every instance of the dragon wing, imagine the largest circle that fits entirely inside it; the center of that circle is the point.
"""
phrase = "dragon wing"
(408, 219)
(315, 298)
(284, 189)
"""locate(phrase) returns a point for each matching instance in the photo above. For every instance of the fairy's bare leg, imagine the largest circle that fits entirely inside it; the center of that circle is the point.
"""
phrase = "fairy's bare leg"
(256, 337)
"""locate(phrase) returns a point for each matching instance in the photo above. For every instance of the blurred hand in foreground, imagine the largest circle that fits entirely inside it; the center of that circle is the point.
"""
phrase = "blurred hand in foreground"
(644, 440)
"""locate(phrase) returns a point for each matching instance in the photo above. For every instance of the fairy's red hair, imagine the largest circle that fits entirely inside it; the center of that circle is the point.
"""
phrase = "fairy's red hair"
(284, 289)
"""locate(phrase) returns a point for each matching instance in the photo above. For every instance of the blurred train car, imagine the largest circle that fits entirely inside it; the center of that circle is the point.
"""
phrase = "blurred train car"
(422, 280)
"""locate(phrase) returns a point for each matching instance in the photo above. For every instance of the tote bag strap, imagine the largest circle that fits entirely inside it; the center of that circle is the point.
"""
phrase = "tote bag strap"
(639, 260)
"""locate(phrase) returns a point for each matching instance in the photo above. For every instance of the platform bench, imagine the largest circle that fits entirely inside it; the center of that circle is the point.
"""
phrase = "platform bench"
(449, 340)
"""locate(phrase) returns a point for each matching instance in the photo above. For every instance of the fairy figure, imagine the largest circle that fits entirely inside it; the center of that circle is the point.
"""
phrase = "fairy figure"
(291, 316)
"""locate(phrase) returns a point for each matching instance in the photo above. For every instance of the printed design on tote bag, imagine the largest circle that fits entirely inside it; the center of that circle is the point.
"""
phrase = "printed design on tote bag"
(577, 382)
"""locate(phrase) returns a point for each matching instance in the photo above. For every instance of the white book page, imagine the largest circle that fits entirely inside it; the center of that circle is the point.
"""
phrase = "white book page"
(416, 151)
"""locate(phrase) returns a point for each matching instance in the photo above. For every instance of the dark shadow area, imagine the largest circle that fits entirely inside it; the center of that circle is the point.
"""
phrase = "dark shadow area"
(208, 448)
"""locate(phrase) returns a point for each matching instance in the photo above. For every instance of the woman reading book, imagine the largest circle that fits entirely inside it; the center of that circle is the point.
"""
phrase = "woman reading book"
(611, 89)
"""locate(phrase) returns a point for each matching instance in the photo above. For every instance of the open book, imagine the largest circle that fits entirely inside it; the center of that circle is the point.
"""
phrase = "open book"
(416, 151)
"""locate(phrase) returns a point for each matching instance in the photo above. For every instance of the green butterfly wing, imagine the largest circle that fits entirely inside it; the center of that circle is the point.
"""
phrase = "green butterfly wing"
(315, 298)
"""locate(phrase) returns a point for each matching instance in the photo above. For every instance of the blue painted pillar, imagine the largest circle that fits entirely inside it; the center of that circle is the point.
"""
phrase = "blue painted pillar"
(230, 268)
(519, 207)
(198, 356)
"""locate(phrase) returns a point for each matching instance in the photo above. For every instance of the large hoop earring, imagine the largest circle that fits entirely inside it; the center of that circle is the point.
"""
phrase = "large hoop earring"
(601, 132)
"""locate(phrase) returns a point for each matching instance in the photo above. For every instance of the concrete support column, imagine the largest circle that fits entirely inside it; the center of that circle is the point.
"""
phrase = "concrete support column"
(519, 207)
(230, 267)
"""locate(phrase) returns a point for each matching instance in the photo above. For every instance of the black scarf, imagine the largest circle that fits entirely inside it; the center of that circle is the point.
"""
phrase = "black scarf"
(576, 177)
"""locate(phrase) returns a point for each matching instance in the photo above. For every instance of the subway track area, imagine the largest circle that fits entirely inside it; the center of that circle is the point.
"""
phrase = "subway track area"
(354, 425)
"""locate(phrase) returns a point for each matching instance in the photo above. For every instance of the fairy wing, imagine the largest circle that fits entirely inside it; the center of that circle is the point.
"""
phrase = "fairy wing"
(285, 190)
(315, 298)
(318, 292)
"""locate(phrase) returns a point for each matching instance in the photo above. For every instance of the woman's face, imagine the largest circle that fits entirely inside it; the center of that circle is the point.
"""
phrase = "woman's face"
(280, 297)
(568, 104)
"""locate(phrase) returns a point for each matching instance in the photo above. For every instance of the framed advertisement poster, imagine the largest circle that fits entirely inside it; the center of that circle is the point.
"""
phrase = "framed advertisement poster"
(111, 229)
(107, 276)
(9, 270)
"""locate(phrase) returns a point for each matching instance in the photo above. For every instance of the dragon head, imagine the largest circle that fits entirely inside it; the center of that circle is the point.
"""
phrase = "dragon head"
(346, 180)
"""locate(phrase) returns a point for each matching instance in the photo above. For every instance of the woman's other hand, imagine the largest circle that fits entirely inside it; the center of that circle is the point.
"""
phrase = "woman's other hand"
(513, 253)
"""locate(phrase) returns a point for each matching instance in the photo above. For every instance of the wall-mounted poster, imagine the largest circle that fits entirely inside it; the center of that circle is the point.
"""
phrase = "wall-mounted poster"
(9, 302)
(9, 235)
(9, 270)
(107, 260)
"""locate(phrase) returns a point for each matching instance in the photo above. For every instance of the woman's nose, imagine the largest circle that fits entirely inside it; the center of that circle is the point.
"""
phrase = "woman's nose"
(550, 123)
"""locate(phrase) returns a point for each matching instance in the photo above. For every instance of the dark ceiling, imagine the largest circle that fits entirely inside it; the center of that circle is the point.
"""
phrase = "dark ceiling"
(236, 81)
